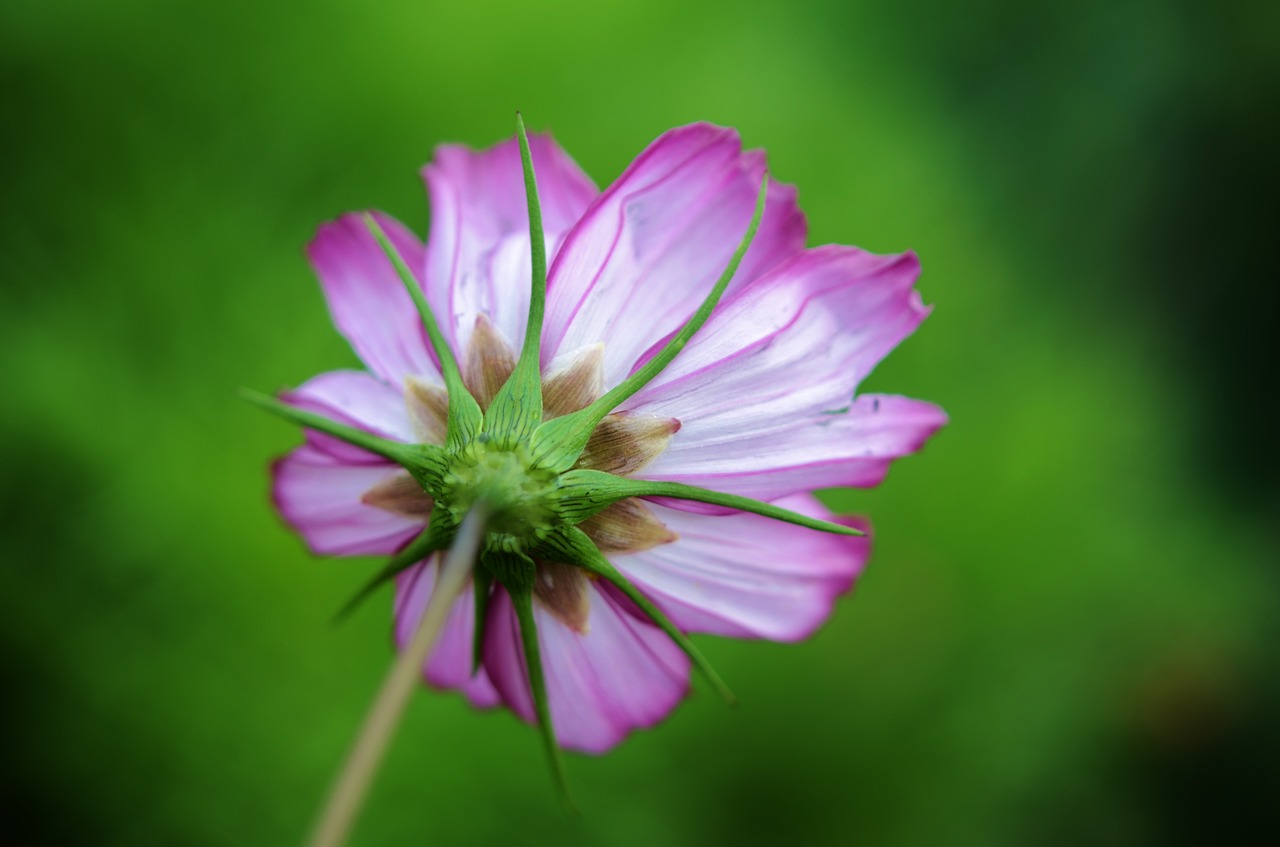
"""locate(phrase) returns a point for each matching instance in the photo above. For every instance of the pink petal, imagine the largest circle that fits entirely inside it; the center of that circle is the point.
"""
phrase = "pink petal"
(319, 495)
(746, 576)
(357, 399)
(449, 665)
(855, 450)
(478, 253)
(763, 390)
(367, 299)
(652, 246)
(624, 674)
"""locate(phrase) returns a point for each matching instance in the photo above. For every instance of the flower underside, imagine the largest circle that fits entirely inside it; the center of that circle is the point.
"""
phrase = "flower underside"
(522, 497)
(547, 455)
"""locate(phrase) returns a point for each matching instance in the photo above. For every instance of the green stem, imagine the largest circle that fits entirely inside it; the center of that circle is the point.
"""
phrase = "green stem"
(352, 785)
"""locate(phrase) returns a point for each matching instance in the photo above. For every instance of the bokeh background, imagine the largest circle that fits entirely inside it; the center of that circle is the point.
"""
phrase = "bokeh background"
(1067, 634)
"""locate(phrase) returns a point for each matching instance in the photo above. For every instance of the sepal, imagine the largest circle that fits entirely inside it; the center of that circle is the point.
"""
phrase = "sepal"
(397, 451)
(428, 464)
(482, 585)
(517, 573)
(438, 535)
(583, 493)
(516, 410)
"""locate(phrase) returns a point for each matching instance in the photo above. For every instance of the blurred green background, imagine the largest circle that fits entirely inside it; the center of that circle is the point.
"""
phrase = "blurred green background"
(1067, 631)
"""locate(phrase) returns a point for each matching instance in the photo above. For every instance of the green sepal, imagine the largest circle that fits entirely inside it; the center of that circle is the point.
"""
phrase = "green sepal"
(482, 583)
(517, 573)
(508, 566)
(465, 418)
(396, 451)
(571, 546)
(428, 464)
(558, 443)
(585, 492)
(516, 410)
(436, 537)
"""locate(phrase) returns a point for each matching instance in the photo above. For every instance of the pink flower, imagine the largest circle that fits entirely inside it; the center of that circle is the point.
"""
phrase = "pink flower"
(760, 404)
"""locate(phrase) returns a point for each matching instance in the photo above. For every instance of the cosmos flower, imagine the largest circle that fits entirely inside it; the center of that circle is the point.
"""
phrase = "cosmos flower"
(678, 487)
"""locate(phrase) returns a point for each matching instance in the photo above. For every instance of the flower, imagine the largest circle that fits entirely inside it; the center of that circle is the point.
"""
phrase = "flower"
(759, 404)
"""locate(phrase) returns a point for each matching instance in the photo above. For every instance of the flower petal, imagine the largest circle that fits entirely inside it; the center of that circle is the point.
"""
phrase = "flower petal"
(624, 674)
(477, 257)
(573, 381)
(367, 299)
(623, 444)
(488, 363)
(563, 591)
(746, 576)
(854, 450)
(357, 399)
(449, 665)
(764, 390)
(319, 495)
(402, 494)
(650, 249)
(627, 526)
(428, 408)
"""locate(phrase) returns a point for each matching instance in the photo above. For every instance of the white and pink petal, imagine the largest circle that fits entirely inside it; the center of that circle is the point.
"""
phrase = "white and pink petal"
(477, 256)
(624, 674)
(764, 391)
(367, 299)
(853, 448)
(450, 662)
(357, 399)
(319, 495)
(650, 249)
(745, 576)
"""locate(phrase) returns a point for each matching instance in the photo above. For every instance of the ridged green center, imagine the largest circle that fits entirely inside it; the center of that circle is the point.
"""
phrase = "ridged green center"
(517, 494)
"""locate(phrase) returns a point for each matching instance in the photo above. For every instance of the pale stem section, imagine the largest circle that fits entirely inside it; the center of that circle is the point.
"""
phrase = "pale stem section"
(348, 793)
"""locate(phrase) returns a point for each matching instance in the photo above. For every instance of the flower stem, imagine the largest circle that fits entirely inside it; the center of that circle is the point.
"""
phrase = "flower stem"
(348, 792)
